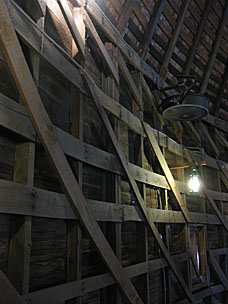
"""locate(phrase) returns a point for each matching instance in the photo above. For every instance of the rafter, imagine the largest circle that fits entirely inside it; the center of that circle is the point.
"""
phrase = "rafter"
(174, 38)
(197, 38)
(151, 27)
(214, 51)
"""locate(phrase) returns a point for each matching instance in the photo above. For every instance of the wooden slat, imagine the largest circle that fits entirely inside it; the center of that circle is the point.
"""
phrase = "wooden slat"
(8, 293)
(217, 269)
(114, 36)
(72, 25)
(222, 139)
(101, 47)
(135, 188)
(173, 41)
(214, 206)
(166, 170)
(44, 128)
(151, 27)
(125, 15)
(197, 38)
(218, 99)
(214, 51)
(209, 139)
(129, 80)
(151, 98)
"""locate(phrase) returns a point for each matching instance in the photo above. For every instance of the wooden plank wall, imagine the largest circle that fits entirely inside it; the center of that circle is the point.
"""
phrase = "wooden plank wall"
(102, 178)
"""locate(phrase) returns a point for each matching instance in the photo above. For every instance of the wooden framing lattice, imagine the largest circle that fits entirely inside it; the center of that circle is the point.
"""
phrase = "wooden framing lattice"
(135, 189)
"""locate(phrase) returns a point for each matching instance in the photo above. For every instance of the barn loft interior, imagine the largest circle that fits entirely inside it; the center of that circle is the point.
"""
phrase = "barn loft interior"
(113, 151)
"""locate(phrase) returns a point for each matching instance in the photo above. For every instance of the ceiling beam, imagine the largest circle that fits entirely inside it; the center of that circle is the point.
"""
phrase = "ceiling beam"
(151, 27)
(214, 51)
(196, 41)
(173, 41)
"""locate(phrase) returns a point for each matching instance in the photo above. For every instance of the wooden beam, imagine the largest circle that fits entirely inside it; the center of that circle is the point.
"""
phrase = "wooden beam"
(51, 52)
(59, 207)
(209, 139)
(218, 99)
(214, 206)
(64, 291)
(218, 271)
(125, 15)
(8, 293)
(187, 165)
(214, 51)
(101, 47)
(223, 141)
(151, 99)
(154, 19)
(21, 238)
(135, 188)
(44, 128)
(169, 177)
(129, 80)
(72, 26)
(173, 41)
(197, 38)
(115, 37)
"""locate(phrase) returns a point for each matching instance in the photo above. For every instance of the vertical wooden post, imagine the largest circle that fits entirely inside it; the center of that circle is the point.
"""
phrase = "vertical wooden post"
(74, 233)
(111, 294)
(21, 240)
(222, 239)
(142, 242)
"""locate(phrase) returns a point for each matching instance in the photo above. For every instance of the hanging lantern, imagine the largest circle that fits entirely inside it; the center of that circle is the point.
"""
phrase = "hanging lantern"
(194, 183)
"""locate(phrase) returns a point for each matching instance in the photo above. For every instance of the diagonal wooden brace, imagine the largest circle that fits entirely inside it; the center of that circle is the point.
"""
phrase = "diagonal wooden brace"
(166, 170)
(45, 130)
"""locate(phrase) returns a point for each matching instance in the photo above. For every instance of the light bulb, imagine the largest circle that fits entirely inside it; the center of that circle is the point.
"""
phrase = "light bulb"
(194, 183)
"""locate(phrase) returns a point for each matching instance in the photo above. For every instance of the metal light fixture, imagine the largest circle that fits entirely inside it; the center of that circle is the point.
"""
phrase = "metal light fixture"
(194, 183)
(184, 106)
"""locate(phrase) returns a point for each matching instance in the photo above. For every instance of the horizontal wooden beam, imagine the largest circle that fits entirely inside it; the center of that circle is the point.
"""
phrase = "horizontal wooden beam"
(33, 201)
(16, 119)
(70, 290)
